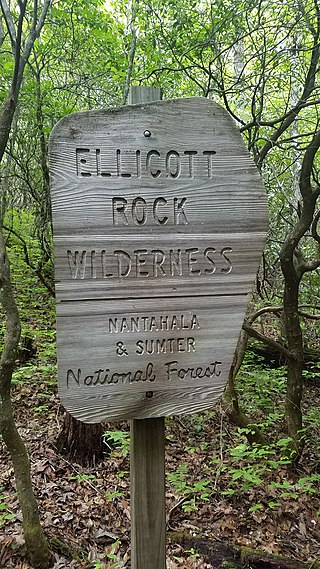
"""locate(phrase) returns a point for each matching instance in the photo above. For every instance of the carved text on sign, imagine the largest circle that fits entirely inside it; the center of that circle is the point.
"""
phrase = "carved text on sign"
(159, 222)
(161, 323)
(142, 163)
(144, 263)
(172, 372)
(165, 345)
(140, 211)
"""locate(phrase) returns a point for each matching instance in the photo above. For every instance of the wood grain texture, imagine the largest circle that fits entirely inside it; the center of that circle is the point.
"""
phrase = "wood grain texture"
(159, 216)
(147, 499)
(157, 266)
(143, 94)
(194, 332)
(147, 460)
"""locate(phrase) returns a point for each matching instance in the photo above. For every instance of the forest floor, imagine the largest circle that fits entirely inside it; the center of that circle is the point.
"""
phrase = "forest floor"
(220, 491)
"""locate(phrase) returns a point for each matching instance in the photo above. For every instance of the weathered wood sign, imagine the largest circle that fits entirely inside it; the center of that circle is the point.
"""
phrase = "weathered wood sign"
(160, 219)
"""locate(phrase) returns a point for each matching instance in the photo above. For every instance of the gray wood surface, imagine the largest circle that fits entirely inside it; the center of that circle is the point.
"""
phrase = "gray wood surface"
(160, 219)
(147, 503)
(143, 94)
(147, 459)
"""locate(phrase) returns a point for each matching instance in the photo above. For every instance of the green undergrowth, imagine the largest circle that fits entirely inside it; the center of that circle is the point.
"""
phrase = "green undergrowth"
(5, 510)
(37, 349)
(259, 475)
(217, 462)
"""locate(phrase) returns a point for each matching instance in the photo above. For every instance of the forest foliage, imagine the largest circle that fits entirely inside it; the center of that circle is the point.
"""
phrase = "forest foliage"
(259, 60)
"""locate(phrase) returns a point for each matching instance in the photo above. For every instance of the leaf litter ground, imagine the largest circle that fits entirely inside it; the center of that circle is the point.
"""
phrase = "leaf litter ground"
(215, 495)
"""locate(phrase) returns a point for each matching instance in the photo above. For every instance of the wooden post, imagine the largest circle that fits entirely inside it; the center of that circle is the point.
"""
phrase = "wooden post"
(147, 467)
(139, 94)
(147, 480)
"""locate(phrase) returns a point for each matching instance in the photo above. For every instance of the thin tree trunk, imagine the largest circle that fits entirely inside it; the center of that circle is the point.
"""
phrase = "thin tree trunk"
(126, 89)
(295, 344)
(294, 266)
(230, 400)
(35, 541)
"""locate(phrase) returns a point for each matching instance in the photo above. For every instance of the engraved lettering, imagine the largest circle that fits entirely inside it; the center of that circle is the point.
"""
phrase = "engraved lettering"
(174, 372)
(88, 380)
(148, 263)
(158, 260)
(228, 269)
(124, 326)
(128, 163)
(191, 154)
(161, 346)
(155, 346)
(208, 254)
(131, 376)
(194, 323)
(81, 161)
(210, 154)
(105, 273)
(124, 263)
(191, 345)
(120, 172)
(156, 203)
(176, 170)
(134, 324)
(140, 262)
(160, 323)
(165, 346)
(138, 163)
(184, 325)
(77, 264)
(98, 161)
(153, 324)
(113, 325)
(179, 211)
(175, 262)
(71, 375)
(174, 323)
(139, 211)
(164, 322)
(97, 379)
(192, 261)
(154, 173)
(144, 320)
(150, 376)
(93, 265)
(118, 211)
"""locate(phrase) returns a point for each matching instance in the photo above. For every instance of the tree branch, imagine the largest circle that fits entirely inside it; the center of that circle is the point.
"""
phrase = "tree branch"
(131, 54)
(269, 341)
(314, 231)
(9, 23)
(2, 34)
(36, 270)
(307, 166)
(295, 110)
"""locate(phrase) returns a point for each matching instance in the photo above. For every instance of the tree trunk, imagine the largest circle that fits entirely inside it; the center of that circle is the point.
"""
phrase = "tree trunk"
(294, 364)
(294, 265)
(82, 442)
(35, 541)
(230, 400)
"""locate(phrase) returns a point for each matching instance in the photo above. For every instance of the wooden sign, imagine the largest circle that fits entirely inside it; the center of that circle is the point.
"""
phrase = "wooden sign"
(160, 219)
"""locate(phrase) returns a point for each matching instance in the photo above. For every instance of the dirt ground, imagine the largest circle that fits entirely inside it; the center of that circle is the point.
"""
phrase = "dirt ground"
(85, 512)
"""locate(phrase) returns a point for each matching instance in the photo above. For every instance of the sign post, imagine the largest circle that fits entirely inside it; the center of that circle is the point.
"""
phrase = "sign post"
(159, 219)
(147, 460)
